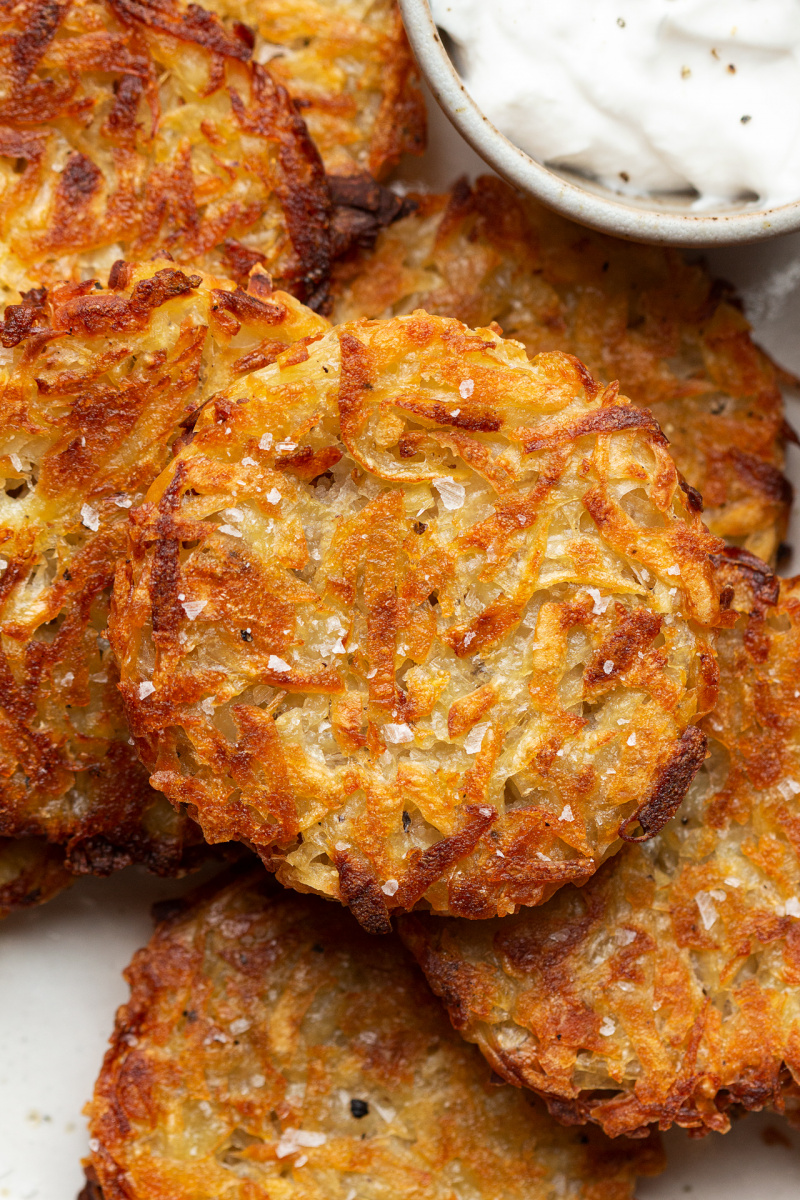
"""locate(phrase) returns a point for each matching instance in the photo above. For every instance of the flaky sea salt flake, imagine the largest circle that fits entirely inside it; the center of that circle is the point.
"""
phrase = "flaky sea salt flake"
(398, 733)
(193, 608)
(452, 493)
(474, 739)
(90, 517)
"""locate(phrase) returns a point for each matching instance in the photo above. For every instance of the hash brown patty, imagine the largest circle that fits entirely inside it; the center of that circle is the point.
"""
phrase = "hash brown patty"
(132, 126)
(674, 338)
(420, 620)
(668, 988)
(94, 385)
(270, 1049)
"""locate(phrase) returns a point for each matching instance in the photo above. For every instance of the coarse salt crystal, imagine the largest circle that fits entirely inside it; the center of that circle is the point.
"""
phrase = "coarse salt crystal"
(90, 517)
(674, 570)
(240, 1025)
(454, 412)
(470, 637)
(474, 739)
(16, 462)
(247, 461)
(788, 788)
(292, 1140)
(452, 493)
(390, 887)
(708, 912)
(273, 496)
(792, 907)
(566, 814)
(466, 388)
(207, 706)
(624, 937)
(385, 1111)
(265, 441)
(600, 603)
(398, 733)
(543, 857)
(68, 678)
(499, 854)
(632, 740)
(286, 446)
(486, 811)
(608, 1027)
(230, 530)
(258, 1081)
(146, 689)
(193, 608)
(608, 666)
(3, 564)
(233, 514)
(277, 664)
(731, 882)
(123, 501)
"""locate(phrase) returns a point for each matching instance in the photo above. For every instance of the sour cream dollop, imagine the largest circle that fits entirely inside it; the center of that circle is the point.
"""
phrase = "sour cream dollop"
(648, 96)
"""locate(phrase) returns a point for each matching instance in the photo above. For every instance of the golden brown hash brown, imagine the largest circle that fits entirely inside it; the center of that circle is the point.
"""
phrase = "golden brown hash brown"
(668, 988)
(419, 620)
(675, 339)
(94, 385)
(349, 69)
(271, 1050)
(31, 871)
(130, 126)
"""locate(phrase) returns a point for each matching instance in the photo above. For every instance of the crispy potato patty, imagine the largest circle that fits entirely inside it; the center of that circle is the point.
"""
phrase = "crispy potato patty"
(667, 989)
(271, 1050)
(129, 126)
(674, 338)
(420, 620)
(94, 385)
(349, 69)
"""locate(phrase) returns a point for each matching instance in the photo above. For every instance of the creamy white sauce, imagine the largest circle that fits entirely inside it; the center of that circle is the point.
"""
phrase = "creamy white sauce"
(647, 96)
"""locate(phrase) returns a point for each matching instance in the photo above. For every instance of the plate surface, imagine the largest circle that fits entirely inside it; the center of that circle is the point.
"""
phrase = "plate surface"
(60, 965)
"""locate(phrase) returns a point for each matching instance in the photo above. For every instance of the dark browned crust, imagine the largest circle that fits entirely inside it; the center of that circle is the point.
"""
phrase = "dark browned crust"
(670, 789)
(91, 1190)
(31, 872)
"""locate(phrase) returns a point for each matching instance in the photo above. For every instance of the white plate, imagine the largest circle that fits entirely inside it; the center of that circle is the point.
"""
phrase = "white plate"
(60, 965)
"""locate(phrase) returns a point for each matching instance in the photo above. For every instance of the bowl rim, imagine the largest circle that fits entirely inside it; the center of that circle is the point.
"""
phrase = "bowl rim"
(580, 204)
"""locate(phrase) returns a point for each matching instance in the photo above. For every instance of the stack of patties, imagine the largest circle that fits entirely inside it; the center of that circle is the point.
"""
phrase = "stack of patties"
(171, 130)
(425, 618)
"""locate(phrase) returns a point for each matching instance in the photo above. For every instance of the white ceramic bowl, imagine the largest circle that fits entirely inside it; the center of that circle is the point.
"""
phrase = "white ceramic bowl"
(591, 204)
